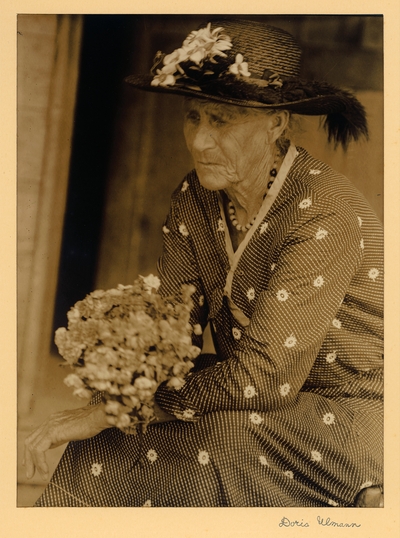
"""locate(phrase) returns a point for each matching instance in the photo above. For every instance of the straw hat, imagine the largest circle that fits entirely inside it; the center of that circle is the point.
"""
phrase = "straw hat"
(248, 63)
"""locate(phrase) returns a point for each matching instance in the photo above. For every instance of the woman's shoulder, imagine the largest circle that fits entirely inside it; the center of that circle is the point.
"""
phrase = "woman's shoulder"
(190, 186)
(327, 185)
(190, 192)
(316, 174)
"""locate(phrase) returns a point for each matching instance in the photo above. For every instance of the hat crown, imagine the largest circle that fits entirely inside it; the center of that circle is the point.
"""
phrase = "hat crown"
(263, 47)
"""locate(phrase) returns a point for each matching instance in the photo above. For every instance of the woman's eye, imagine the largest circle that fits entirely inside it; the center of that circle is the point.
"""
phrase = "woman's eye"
(193, 116)
(219, 122)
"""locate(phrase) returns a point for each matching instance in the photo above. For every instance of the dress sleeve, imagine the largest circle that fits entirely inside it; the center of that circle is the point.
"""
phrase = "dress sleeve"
(315, 263)
(178, 266)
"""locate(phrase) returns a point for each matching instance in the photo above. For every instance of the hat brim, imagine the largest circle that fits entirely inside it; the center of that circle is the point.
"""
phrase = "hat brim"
(315, 106)
(345, 117)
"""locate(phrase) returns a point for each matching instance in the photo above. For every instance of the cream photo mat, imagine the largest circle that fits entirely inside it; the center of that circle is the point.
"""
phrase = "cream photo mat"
(196, 522)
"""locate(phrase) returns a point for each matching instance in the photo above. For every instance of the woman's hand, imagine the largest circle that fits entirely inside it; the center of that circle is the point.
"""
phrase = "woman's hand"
(60, 428)
(161, 415)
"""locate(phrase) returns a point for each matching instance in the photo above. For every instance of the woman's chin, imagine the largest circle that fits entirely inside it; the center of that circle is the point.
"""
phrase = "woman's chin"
(209, 180)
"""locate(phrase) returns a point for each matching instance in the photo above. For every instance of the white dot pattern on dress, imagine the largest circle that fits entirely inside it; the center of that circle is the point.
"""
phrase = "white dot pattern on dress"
(184, 231)
(321, 234)
(220, 226)
(319, 281)
(261, 360)
(316, 456)
(237, 333)
(250, 391)
(373, 273)
(203, 457)
(96, 469)
(282, 295)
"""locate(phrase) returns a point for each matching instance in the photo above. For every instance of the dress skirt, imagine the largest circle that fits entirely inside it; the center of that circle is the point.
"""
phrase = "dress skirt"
(295, 456)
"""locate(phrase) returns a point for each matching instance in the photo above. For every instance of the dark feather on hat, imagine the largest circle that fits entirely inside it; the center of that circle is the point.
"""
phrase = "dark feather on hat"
(351, 124)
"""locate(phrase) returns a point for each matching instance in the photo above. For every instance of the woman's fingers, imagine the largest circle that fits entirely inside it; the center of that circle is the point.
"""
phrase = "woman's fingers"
(36, 445)
(60, 428)
(28, 462)
(41, 465)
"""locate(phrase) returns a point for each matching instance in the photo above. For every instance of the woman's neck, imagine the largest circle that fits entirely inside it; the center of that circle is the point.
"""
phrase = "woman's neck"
(247, 197)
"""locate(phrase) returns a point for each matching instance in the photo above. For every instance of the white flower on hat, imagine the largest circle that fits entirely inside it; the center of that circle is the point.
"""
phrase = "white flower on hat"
(206, 43)
(337, 323)
(163, 79)
(185, 186)
(360, 221)
(199, 46)
(362, 244)
(273, 266)
(239, 67)
(147, 504)
(263, 460)
(289, 474)
(165, 230)
(315, 172)
(263, 227)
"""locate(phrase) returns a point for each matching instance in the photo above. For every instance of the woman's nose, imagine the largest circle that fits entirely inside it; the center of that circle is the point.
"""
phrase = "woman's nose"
(203, 138)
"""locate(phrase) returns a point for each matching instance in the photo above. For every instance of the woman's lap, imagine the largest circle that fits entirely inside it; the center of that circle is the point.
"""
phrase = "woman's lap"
(311, 453)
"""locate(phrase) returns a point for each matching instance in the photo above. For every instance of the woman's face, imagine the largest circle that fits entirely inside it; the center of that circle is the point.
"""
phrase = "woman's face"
(229, 145)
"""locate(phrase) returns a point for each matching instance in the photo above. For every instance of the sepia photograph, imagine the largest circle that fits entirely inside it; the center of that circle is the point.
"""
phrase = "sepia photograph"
(200, 261)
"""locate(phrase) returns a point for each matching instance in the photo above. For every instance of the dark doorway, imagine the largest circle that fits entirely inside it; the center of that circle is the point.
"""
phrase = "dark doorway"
(105, 55)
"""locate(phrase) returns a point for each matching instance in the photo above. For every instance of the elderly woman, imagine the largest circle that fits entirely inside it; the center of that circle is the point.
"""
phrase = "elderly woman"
(286, 258)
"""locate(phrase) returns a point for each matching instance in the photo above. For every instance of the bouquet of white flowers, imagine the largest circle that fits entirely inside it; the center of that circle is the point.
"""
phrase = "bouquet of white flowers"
(124, 342)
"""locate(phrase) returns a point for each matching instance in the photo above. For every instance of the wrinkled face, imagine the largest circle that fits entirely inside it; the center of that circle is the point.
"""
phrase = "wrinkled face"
(229, 144)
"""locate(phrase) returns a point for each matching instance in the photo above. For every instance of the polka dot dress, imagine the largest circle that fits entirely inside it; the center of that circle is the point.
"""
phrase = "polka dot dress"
(289, 410)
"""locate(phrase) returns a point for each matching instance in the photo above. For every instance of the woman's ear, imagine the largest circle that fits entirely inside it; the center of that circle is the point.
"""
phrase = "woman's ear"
(279, 122)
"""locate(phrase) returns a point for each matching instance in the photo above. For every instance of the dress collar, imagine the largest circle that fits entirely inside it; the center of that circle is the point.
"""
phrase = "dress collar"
(234, 256)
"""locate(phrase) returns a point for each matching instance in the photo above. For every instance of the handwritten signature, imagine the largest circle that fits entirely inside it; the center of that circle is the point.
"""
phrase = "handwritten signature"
(325, 522)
